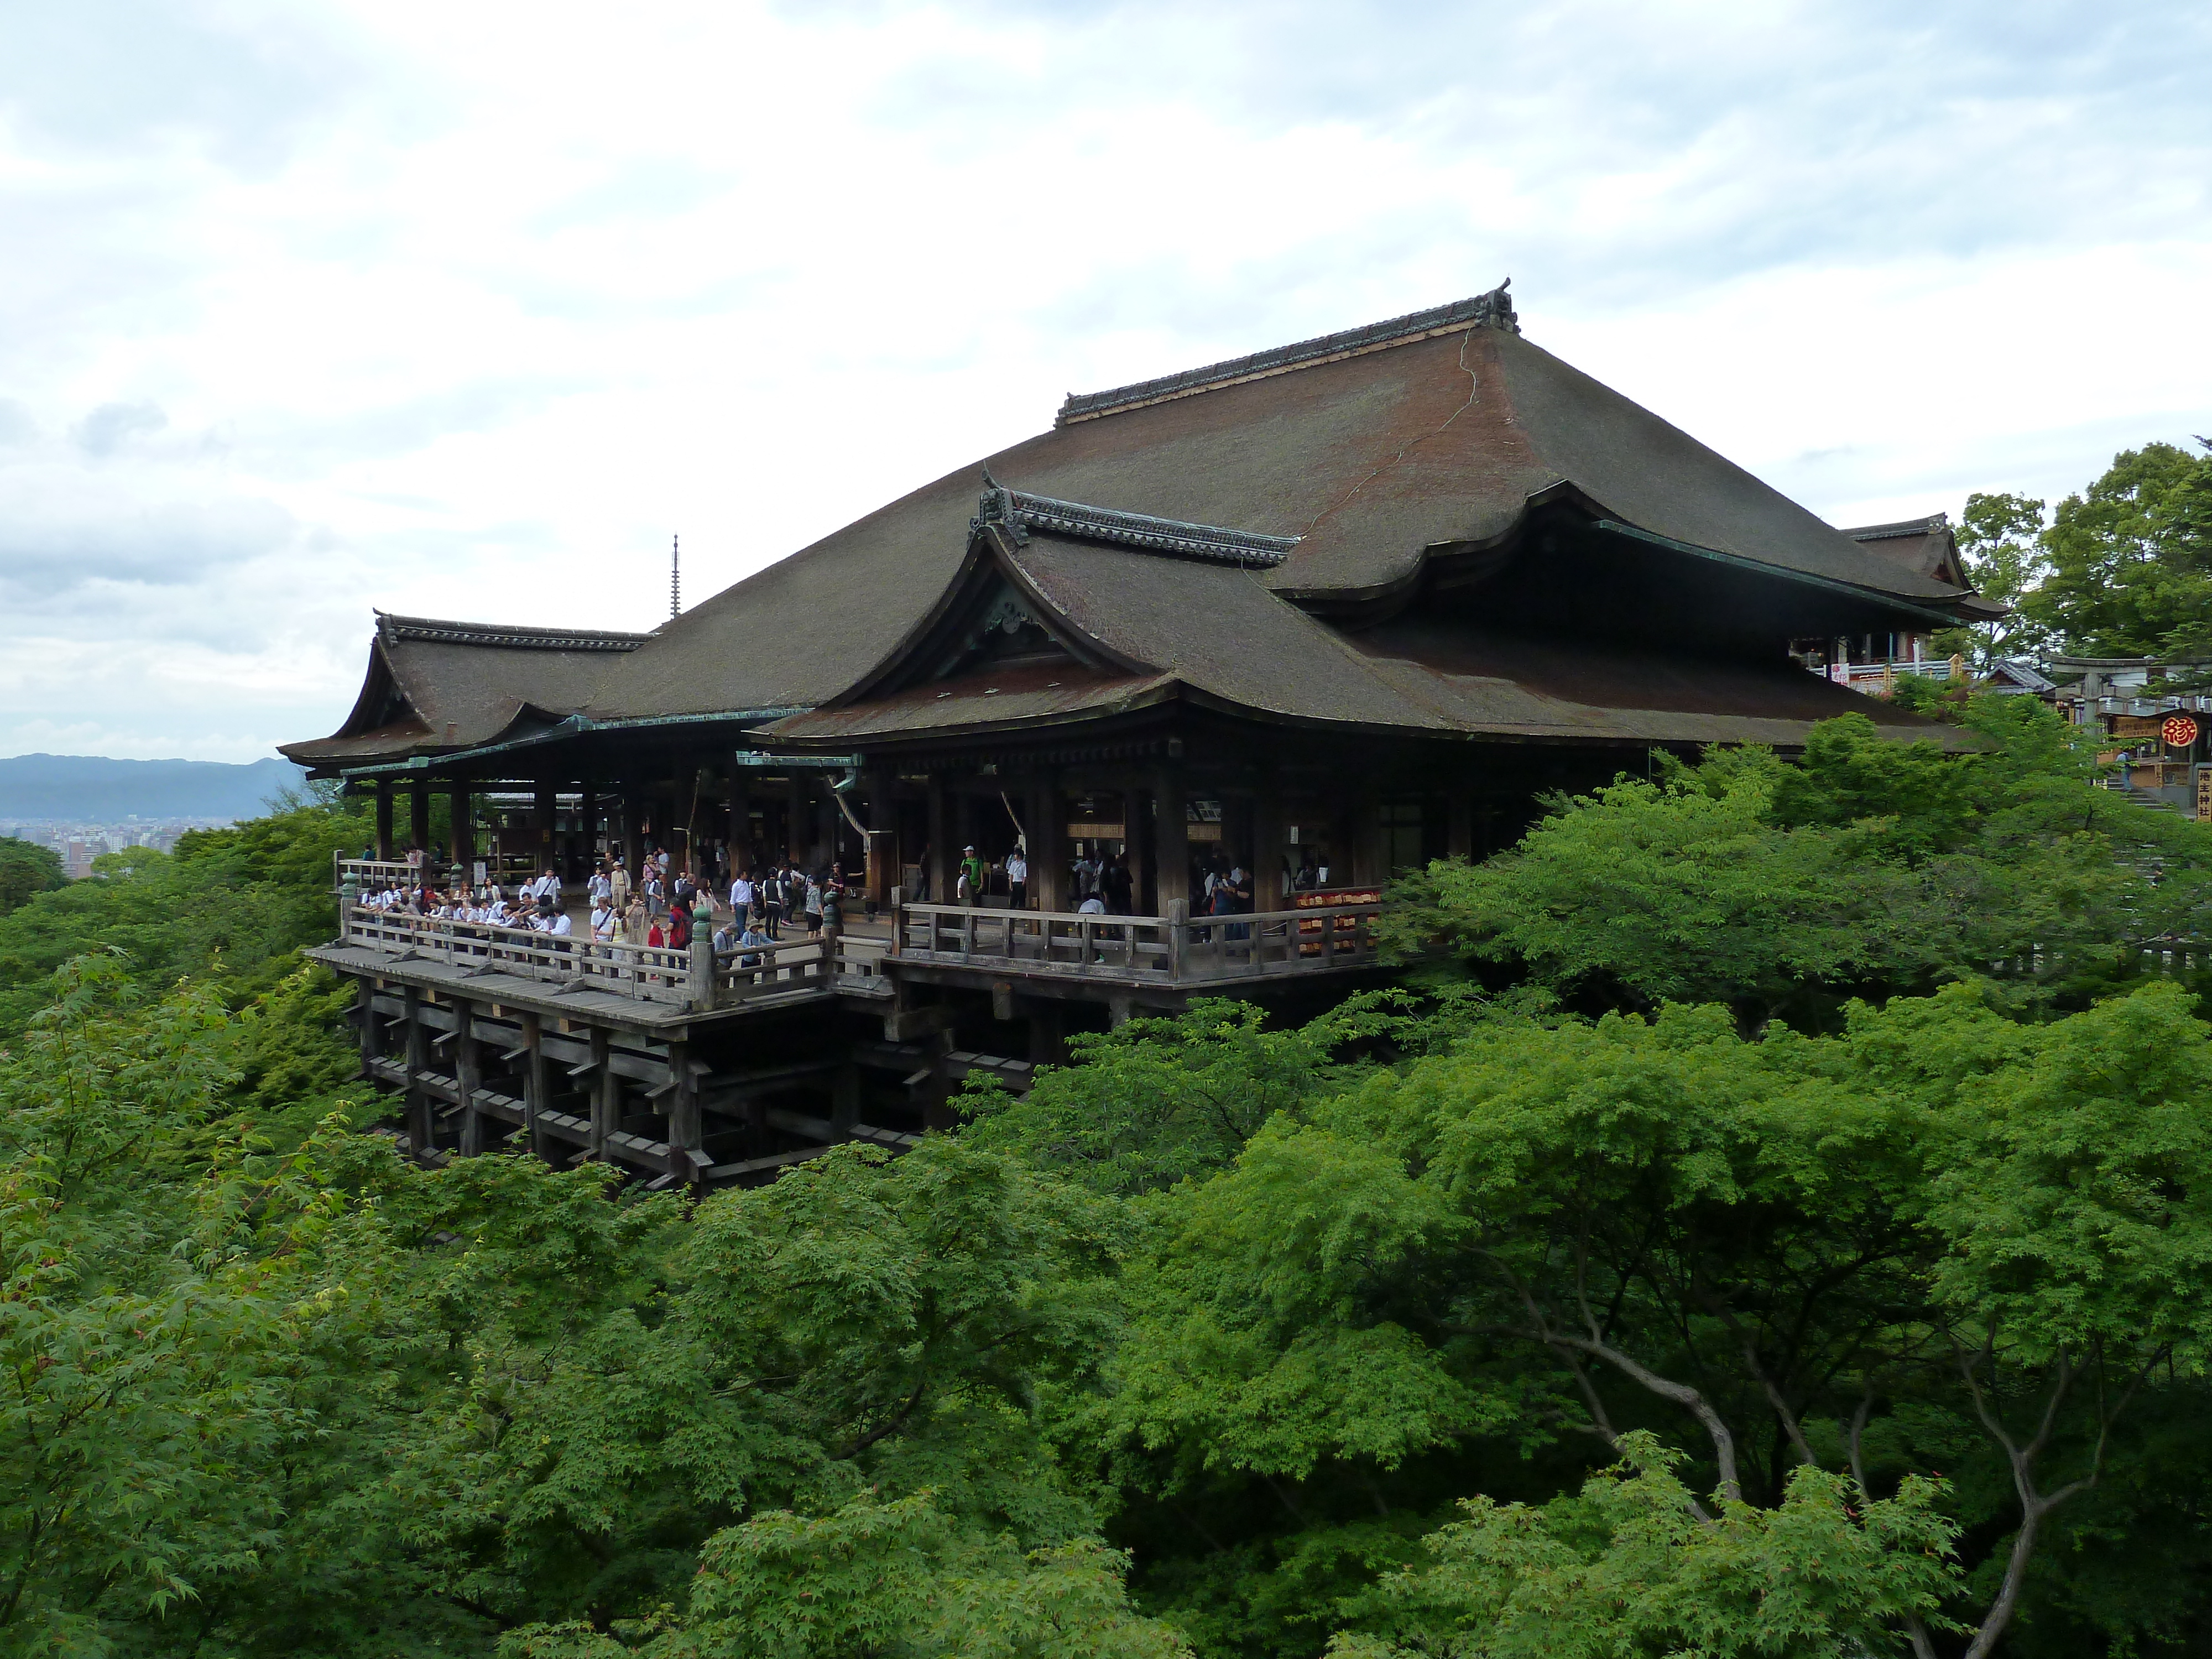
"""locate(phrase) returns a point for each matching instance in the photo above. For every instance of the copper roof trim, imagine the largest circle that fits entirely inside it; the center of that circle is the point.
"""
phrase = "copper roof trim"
(1882, 532)
(508, 636)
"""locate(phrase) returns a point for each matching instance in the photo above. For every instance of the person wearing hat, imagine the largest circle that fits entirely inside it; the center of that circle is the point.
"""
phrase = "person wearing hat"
(971, 878)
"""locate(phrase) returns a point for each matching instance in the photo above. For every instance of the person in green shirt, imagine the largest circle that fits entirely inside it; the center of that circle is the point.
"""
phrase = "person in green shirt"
(971, 874)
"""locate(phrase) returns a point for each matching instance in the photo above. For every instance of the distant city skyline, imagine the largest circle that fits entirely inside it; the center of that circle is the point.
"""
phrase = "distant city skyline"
(465, 312)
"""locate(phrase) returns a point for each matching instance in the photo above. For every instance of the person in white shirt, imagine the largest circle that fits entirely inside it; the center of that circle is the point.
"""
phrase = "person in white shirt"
(741, 894)
(603, 920)
(602, 885)
(1018, 880)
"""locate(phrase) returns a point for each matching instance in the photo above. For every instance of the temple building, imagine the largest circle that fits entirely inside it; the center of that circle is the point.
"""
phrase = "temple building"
(1342, 606)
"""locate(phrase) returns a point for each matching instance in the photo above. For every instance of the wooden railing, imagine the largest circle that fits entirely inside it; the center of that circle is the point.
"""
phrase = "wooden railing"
(1173, 949)
(700, 978)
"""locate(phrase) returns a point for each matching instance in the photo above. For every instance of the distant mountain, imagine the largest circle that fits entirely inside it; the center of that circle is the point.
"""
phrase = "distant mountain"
(88, 788)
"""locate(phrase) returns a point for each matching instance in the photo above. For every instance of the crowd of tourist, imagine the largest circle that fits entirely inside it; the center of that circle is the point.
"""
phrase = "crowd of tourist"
(661, 907)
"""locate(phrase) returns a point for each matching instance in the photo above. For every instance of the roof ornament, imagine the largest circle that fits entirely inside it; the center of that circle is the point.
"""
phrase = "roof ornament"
(1495, 309)
(996, 506)
(1021, 511)
(675, 578)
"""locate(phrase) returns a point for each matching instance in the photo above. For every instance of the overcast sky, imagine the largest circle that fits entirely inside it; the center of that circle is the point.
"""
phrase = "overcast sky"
(462, 309)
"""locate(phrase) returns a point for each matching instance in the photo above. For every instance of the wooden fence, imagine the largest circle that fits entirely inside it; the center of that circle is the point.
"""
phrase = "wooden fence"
(1175, 949)
(701, 978)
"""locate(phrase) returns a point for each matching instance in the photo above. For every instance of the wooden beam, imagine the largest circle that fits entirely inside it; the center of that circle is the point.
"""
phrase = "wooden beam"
(606, 1095)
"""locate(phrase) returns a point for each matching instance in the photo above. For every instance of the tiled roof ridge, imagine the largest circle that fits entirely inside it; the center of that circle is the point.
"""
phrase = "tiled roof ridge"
(1490, 310)
(1022, 512)
(1882, 532)
(513, 636)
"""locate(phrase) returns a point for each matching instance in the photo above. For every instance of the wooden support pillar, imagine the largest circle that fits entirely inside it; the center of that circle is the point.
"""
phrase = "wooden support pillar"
(880, 813)
(372, 1023)
(632, 815)
(686, 1133)
(1049, 866)
(468, 1075)
(415, 1101)
(942, 853)
(1458, 825)
(741, 822)
(418, 818)
(1268, 844)
(535, 1097)
(464, 846)
(587, 822)
(1367, 854)
(547, 805)
(1171, 834)
(606, 1095)
(384, 849)
(1047, 1032)
(795, 817)
(844, 1102)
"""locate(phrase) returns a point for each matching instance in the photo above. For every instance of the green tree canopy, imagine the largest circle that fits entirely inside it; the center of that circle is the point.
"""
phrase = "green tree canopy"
(2001, 544)
(2129, 560)
(27, 868)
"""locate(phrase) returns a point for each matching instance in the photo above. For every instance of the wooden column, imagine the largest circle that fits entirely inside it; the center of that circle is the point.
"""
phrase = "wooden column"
(741, 821)
(942, 853)
(633, 813)
(880, 814)
(468, 1073)
(1367, 854)
(685, 1131)
(464, 835)
(414, 1102)
(1048, 848)
(844, 1102)
(1047, 1032)
(372, 1023)
(548, 803)
(418, 818)
(1267, 831)
(606, 1095)
(795, 824)
(1458, 825)
(534, 1092)
(384, 817)
(1171, 834)
(587, 815)
(1138, 813)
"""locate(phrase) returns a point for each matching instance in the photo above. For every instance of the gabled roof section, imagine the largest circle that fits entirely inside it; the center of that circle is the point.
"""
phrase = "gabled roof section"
(1490, 310)
(432, 686)
(1927, 546)
(1362, 455)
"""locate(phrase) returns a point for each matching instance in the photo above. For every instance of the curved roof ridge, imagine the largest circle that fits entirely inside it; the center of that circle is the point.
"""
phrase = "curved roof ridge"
(1490, 310)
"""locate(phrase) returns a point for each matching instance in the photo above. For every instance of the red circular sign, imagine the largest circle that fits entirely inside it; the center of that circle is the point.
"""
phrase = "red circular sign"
(2179, 731)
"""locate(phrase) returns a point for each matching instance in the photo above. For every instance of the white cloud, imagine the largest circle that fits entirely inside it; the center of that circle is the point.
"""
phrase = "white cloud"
(464, 309)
